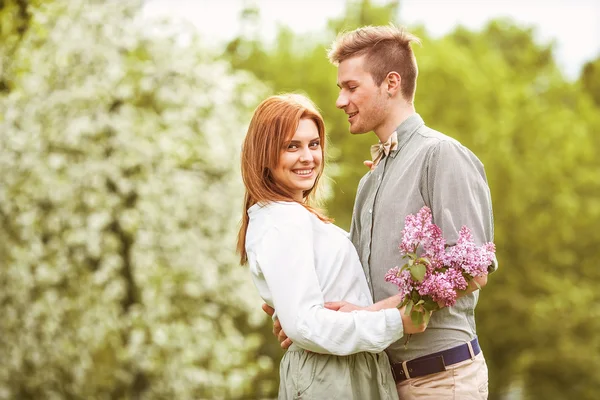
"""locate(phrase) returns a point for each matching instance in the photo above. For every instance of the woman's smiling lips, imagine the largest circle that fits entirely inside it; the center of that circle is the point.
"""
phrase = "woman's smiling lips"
(304, 173)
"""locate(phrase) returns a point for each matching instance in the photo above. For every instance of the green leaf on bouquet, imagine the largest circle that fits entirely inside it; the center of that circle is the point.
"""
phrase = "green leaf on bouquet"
(417, 272)
(477, 284)
(425, 260)
(420, 302)
(404, 302)
(409, 307)
(431, 305)
(415, 296)
(426, 317)
(402, 269)
(416, 317)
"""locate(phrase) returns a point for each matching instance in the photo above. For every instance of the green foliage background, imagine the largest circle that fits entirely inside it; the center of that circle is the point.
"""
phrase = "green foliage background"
(501, 94)
(120, 196)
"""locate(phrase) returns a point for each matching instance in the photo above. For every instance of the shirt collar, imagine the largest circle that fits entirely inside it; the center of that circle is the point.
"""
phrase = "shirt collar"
(405, 131)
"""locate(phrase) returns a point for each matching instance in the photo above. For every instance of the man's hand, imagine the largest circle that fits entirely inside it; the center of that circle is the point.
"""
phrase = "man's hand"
(393, 302)
(409, 327)
(284, 341)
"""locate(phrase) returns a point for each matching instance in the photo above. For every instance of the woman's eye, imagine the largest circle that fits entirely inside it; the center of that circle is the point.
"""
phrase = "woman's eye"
(315, 144)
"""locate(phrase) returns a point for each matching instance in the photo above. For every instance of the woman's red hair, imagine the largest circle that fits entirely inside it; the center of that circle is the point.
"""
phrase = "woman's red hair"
(274, 123)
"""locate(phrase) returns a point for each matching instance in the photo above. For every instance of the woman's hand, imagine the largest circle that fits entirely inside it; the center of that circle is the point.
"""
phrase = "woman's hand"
(342, 306)
(369, 164)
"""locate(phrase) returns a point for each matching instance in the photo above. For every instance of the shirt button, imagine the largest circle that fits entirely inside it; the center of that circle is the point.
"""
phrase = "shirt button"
(370, 211)
(379, 178)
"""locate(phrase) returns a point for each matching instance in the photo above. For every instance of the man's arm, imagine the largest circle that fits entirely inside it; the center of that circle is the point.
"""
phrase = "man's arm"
(457, 192)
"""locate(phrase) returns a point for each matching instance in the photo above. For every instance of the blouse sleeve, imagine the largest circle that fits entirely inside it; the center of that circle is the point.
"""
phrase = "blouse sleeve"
(286, 259)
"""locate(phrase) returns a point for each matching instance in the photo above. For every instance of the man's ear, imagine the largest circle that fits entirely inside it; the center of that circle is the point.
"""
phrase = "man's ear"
(392, 83)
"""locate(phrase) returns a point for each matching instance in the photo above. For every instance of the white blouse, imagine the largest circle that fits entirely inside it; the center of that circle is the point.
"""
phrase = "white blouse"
(298, 263)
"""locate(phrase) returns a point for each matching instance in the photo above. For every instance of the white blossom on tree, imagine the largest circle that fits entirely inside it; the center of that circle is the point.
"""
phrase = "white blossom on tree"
(120, 198)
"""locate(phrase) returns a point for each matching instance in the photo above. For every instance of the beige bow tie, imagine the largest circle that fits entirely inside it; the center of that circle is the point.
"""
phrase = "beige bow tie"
(379, 149)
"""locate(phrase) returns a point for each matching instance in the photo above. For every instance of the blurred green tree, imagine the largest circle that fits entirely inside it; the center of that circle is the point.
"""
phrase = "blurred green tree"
(590, 79)
(119, 202)
(15, 16)
(298, 63)
(500, 93)
(535, 133)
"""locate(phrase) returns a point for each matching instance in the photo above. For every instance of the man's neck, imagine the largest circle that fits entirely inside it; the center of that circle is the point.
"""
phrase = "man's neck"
(394, 120)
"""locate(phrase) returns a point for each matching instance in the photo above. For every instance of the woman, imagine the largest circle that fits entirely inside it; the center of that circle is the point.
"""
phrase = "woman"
(299, 260)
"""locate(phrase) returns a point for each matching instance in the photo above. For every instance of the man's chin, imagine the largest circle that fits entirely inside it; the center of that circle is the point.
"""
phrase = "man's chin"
(357, 130)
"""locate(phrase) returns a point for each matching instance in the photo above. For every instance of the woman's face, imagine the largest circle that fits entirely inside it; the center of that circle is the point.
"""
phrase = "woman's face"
(300, 160)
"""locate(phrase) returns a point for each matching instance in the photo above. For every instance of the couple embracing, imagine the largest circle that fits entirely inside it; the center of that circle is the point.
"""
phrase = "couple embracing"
(332, 309)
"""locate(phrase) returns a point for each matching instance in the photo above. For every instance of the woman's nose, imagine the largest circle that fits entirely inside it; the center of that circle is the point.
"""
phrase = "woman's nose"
(306, 155)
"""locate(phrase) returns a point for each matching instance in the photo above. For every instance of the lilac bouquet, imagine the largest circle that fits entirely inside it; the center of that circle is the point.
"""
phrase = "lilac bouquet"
(437, 276)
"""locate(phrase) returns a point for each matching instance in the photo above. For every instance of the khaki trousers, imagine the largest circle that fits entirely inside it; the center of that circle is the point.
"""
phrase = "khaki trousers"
(467, 380)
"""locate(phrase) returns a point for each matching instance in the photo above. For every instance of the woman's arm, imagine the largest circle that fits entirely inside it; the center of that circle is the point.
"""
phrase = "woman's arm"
(286, 260)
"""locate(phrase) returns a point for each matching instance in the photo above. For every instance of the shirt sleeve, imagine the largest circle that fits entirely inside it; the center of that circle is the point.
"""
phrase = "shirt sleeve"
(458, 194)
(286, 258)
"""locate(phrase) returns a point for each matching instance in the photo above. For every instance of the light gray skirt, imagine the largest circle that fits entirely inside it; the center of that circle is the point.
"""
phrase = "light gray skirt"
(361, 376)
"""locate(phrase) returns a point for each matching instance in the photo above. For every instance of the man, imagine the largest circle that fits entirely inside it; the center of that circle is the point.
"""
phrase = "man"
(413, 166)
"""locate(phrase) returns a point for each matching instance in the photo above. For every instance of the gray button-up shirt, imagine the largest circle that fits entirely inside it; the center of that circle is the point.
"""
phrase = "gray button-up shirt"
(432, 169)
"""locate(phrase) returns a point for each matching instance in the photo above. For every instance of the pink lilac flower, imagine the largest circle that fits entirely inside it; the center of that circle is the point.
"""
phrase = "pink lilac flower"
(439, 288)
(446, 271)
(456, 278)
(403, 280)
(419, 230)
(411, 234)
(467, 256)
(434, 245)
(442, 286)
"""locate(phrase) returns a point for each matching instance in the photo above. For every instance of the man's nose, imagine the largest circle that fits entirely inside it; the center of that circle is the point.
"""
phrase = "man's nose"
(342, 101)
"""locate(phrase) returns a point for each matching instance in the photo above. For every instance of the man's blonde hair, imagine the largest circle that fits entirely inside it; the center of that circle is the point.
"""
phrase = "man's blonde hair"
(387, 49)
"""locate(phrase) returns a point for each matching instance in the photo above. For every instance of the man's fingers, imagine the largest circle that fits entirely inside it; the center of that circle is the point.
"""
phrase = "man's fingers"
(277, 330)
(276, 327)
(268, 309)
(282, 336)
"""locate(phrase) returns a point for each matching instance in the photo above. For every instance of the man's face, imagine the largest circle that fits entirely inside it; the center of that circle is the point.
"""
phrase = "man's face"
(363, 101)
